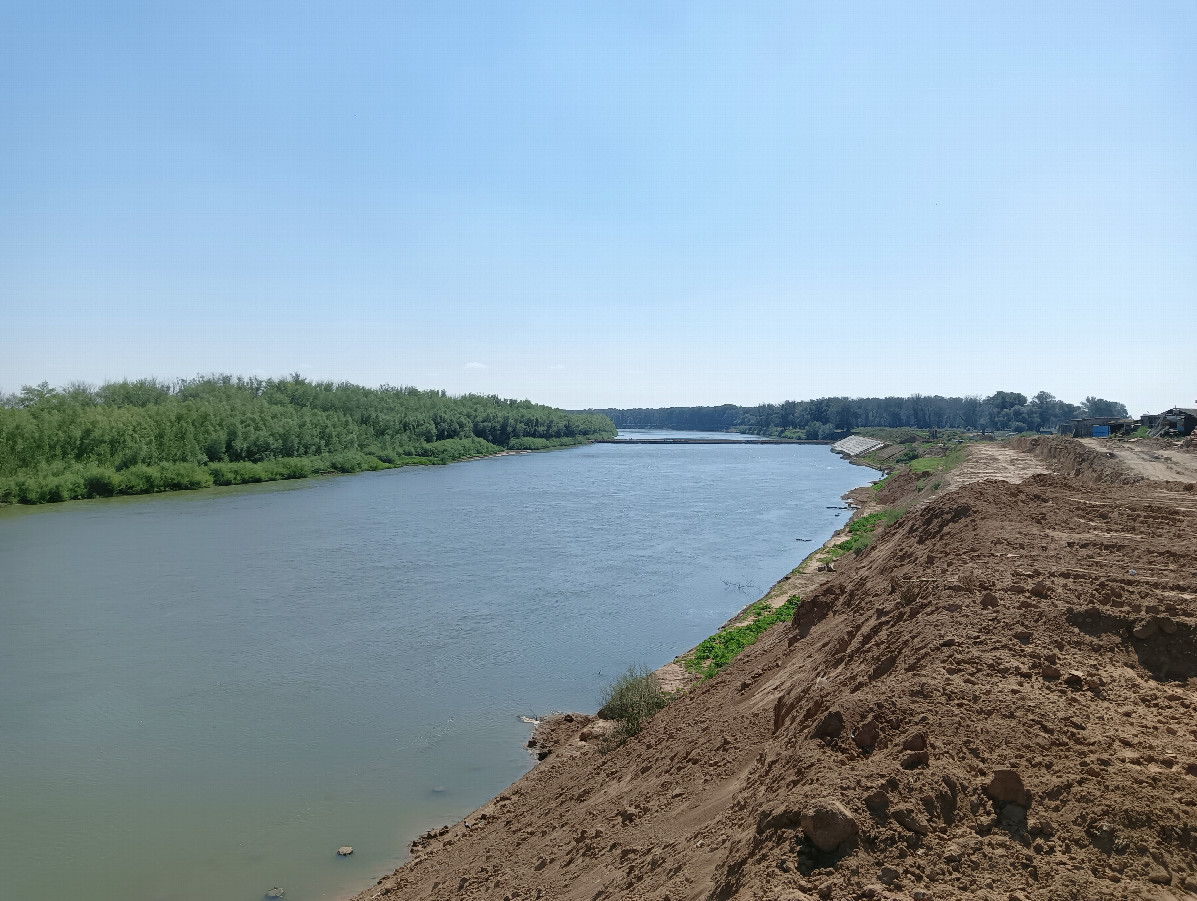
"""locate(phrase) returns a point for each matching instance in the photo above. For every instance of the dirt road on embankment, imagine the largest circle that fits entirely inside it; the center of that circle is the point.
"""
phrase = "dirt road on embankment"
(996, 700)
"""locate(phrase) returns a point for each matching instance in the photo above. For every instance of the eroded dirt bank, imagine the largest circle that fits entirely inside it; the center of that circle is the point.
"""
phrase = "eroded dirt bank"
(997, 699)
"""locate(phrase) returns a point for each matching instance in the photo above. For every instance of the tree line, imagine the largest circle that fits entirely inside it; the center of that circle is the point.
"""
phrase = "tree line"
(136, 437)
(829, 417)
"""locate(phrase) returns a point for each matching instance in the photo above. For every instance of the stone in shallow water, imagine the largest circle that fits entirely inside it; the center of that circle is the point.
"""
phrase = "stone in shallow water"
(345, 850)
(275, 892)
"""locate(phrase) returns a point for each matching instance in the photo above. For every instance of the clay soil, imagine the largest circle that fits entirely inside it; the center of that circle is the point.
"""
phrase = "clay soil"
(996, 700)
(1159, 459)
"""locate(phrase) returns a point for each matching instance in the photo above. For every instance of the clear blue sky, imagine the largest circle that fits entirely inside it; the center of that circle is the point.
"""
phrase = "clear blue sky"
(605, 204)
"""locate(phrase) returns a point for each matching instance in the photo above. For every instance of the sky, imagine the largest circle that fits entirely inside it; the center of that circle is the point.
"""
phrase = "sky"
(605, 204)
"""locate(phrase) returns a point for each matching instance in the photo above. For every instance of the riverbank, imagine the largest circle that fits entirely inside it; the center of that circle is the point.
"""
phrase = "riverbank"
(688, 668)
(145, 437)
(983, 701)
(98, 482)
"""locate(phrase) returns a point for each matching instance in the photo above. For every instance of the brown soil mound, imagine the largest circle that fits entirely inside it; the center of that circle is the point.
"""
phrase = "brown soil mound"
(1072, 458)
(994, 460)
(1165, 460)
(899, 486)
(996, 700)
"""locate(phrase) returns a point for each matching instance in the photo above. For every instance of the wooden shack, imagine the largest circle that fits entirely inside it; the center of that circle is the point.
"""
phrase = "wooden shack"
(1100, 427)
(1178, 420)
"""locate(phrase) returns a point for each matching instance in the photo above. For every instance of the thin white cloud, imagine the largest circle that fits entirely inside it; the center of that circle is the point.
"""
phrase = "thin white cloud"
(475, 365)
(557, 368)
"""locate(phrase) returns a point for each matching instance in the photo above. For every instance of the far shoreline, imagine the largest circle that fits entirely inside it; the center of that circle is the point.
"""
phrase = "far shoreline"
(279, 480)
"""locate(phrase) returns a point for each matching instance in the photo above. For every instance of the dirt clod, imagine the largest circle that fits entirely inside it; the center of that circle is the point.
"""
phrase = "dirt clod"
(908, 819)
(866, 734)
(829, 726)
(1006, 785)
(827, 824)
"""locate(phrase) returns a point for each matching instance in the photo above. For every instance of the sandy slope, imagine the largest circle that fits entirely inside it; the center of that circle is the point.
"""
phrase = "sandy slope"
(994, 461)
(998, 699)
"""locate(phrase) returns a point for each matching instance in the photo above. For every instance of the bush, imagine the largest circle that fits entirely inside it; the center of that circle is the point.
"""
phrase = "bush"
(69, 486)
(630, 700)
(351, 461)
(26, 491)
(527, 444)
(286, 468)
(239, 473)
(385, 456)
(42, 491)
(47, 488)
(184, 477)
(138, 479)
(141, 479)
(99, 482)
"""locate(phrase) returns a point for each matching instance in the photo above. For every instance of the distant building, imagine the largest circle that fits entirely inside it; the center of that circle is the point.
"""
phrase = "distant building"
(1099, 427)
(1182, 420)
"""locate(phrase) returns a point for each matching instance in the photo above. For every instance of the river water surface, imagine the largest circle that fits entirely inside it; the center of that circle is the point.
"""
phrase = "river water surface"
(204, 694)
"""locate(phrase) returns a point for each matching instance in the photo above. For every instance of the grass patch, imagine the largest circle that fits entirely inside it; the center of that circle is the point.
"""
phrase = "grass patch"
(861, 532)
(954, 457)
(630, 700)
(716, 652)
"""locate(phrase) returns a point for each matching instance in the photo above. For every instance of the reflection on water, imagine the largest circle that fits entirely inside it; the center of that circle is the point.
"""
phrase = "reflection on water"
(204, 695)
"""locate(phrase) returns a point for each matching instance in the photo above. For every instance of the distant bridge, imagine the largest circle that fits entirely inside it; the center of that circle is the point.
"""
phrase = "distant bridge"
(707, 441)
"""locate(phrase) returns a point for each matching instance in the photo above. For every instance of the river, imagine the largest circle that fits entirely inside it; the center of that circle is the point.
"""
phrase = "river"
(204, 694)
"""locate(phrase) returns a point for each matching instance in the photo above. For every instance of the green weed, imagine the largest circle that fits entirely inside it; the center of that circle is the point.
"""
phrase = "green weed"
(716, 652)
(630, 700)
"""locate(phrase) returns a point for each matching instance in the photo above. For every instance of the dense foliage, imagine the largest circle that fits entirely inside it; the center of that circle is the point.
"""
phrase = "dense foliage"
(829, 417)
(145, 436)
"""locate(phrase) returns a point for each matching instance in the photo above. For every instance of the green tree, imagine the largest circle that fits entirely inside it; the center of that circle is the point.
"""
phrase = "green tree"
(141, 436)
(1096, 406)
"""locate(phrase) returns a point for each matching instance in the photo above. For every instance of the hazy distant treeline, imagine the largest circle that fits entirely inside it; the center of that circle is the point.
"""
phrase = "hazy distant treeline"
(144, 436)
(827, 417)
